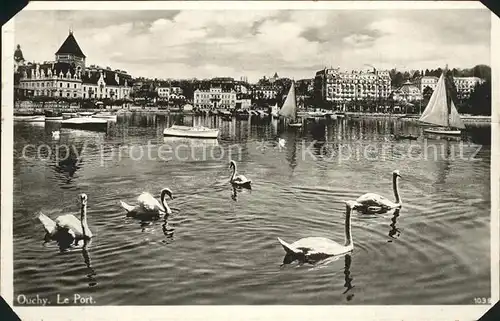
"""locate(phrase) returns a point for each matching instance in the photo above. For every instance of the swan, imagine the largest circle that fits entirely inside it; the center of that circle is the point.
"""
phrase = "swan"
(371, 203)
(237, 179)
(281, 143)
(149, 206)
(312, 249)
(55, 134)
(68, 227)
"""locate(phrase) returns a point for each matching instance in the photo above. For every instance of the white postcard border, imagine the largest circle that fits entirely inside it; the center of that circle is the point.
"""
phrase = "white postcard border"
(406, 312)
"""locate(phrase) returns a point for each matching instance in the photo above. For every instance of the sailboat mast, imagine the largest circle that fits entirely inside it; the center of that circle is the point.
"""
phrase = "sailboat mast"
(448, 96)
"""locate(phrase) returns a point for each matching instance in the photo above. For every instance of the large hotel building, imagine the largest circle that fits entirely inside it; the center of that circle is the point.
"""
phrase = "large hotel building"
(337, 86)
(68, 77)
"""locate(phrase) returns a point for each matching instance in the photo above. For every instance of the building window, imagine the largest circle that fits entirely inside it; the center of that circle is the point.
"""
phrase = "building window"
(60, 84)
(75, 85)
(67, 85)
(74, 95)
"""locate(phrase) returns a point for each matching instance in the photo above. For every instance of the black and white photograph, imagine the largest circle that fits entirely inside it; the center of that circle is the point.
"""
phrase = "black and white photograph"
(232, 155)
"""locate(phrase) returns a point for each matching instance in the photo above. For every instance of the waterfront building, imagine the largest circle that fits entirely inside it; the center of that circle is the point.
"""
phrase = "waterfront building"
(104, 83)
(338, 86)
(241, 88)
(215, 98)
(408, 93)
(264, 92)
(426, 81)
(166, 91)
(466, 85)
(68, 77)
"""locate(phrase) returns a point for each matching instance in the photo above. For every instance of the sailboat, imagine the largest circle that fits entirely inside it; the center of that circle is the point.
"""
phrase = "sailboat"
(289, 108)
(441, 114)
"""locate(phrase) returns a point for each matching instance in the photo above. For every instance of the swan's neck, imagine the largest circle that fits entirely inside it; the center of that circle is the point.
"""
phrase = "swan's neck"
(348, 236)
(395, 188)
(83, 219)
(234, 172)
(165, 205)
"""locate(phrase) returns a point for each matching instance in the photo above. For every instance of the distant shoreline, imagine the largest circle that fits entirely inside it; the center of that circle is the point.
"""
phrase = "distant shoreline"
(467, 119)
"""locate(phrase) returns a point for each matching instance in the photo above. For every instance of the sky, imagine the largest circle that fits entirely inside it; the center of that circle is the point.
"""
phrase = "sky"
(293, 43)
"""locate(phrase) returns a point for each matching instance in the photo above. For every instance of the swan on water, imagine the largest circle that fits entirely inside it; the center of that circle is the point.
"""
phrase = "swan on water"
(312, 249)
(68, 227)
(371, 203)
(237, 179)
(281, 143)
(147, 205)
(55, 134)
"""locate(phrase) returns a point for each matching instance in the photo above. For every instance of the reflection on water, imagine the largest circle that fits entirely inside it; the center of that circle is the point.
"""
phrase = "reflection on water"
(394, 232)
(224, 249)
(91, 274)
(348, 278)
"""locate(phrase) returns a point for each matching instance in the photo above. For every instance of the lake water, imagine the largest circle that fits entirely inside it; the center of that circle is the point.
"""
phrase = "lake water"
(224, 248)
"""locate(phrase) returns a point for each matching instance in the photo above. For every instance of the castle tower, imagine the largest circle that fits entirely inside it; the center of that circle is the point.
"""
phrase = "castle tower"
(70, 52)
(18, 58)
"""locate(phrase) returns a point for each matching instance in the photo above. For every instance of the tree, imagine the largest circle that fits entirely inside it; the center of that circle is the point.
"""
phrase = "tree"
(427, 93)
(398, 80)
(480, 99)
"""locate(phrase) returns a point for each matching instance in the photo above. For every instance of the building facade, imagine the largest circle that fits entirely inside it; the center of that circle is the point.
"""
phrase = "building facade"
(68, 77)
(426, 81)
(337, 86)
(166, 91)
(466, 85)
(408, 93)
(264, 92)
(215, 98)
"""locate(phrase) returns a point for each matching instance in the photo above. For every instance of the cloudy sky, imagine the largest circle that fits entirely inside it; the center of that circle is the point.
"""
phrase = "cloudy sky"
(204, 44)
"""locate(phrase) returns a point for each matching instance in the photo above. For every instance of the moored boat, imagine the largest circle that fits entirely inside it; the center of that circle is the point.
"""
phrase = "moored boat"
(289, 108)
(191, 132)
(87, 123)
(30, 119)
(105, 115)
(441, 112)
(86, 113)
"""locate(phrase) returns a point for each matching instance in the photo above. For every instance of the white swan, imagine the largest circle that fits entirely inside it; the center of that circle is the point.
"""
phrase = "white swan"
(281, 143)
(67, 227)
(149, 206)
(55, 134)
(237, 179)
(312, 249)
(372, 203)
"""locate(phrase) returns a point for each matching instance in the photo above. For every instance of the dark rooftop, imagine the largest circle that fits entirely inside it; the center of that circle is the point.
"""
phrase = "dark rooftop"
(70, 46)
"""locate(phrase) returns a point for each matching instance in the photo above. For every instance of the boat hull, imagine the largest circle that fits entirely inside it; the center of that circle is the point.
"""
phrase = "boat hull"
(295, 125)
(29, 119)
(107, 117)
(190, 132)
(85, 123)
(443, 132)
(55, 118)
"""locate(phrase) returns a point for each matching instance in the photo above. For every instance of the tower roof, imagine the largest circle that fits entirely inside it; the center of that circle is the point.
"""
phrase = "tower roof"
(18, 54)
(70, 46)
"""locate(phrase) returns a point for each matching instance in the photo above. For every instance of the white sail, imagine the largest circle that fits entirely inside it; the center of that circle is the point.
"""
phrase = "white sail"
(455, 120)
(436, 112)
(289, 108)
